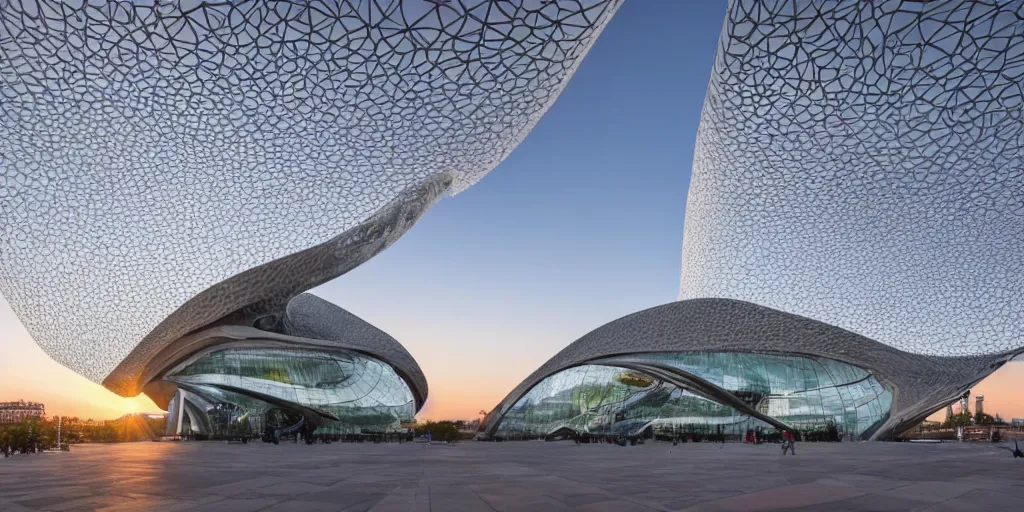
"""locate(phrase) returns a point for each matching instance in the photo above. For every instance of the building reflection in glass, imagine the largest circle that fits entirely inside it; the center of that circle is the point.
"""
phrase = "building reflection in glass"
(811, 395)
(239, 391)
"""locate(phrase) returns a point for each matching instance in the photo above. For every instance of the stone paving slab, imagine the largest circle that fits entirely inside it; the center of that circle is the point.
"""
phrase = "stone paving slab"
(513, 477)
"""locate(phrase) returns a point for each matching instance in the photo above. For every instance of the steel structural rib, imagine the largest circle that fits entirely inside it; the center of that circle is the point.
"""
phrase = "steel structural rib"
(695, 384)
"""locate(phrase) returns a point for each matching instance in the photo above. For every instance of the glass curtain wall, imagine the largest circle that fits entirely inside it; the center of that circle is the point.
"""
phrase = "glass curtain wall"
(804, 392)
(809, 394)
(364, 393)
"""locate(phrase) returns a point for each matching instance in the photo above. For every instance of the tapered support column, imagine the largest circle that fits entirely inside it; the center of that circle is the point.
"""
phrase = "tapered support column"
(181, 411)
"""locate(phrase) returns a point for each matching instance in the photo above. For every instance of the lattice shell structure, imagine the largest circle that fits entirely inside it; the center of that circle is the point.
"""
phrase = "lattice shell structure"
(862, 164)
(165, 165)
(919, 384)
(857, 196)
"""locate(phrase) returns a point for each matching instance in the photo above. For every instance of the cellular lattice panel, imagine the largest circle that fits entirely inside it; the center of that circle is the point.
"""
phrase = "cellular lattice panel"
(151, 149)
(862, 164)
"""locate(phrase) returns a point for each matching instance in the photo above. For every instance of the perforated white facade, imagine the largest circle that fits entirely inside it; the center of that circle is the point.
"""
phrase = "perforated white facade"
(862, 164)
(150, 150)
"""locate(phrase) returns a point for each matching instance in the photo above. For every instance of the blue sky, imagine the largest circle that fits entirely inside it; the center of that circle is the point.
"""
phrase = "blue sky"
(582, 223)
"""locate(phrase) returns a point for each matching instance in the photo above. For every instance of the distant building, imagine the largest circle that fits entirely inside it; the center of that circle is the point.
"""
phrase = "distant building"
(15, 412)
(1017, 422)
(979, 404)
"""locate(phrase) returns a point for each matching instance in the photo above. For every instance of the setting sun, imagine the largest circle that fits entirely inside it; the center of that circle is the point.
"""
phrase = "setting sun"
(140, 403)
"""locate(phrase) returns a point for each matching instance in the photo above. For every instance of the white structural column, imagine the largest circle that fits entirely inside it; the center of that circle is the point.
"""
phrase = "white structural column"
(181, 410)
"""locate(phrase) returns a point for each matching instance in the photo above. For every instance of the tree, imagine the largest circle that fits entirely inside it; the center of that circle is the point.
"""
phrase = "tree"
(5, 442)
(439, 430)
(46, 434)
(983, 419)
(32, 435)
(963, 419)
(72, 430)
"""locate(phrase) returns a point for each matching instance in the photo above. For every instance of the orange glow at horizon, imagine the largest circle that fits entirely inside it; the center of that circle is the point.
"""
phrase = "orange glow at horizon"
(460, 403)
(27, 373)
(1002, 391)
(461, 382)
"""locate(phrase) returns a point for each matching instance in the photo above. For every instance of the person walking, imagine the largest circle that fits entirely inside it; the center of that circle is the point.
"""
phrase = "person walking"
(788, 442)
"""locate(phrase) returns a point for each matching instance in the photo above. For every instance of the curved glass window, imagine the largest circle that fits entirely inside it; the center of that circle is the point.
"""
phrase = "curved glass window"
(364, 393)
(806, 393)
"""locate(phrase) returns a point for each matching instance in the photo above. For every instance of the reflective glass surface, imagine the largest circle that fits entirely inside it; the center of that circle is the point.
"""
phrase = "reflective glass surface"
(810, 394)
(246, 384)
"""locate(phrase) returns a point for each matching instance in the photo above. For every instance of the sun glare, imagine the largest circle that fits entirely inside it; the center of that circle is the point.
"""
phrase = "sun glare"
(129, 406)
(138, 404)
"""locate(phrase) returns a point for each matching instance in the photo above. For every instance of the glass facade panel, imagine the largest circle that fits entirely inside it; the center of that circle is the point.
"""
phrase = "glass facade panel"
(606, 400)
(809, 394)
(364, 393)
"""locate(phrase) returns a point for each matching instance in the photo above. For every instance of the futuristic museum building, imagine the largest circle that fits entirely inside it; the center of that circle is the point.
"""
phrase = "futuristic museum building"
(174, 175)
(854, 236)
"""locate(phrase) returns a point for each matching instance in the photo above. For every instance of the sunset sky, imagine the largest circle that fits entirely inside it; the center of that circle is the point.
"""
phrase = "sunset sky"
(581, 225)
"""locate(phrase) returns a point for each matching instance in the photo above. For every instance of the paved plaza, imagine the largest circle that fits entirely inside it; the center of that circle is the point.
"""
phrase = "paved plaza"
(513, 476)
